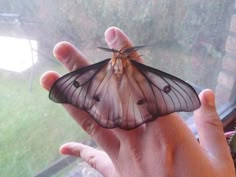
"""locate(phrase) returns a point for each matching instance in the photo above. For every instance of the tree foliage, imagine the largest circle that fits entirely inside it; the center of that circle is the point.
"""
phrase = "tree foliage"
(187, 23)
(199, 28)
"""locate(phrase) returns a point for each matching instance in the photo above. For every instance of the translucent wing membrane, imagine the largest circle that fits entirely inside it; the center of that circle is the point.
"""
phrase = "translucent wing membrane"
(139, 95)
(166, 93)
(74, 87)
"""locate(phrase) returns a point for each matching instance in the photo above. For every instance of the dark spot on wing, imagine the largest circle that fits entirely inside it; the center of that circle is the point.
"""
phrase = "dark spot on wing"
(96, 98)
(167, 89)
(140, 102)
(76, 84)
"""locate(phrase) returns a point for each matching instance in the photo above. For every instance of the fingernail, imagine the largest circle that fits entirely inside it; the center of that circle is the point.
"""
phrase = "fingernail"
(70, 149)
(209, 98)
(61, 51)
(110, 35)
(47, 79)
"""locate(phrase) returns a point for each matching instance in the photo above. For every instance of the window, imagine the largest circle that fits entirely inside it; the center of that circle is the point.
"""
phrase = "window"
(193, 40)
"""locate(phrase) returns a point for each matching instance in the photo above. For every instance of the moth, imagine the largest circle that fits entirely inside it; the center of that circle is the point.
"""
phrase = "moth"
(121, 92)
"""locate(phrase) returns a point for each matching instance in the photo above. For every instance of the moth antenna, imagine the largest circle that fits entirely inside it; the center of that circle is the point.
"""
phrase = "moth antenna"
(139, 55)
(107, 49)
(135, 48)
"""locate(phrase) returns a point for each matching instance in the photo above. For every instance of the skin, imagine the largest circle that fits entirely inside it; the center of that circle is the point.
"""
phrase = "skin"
(164, 147)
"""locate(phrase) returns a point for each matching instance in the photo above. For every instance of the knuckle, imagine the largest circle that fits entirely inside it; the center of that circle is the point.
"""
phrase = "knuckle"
(75, 66)
(88, 125)
(71, 63)
(214, 122)
(136, 153)
(91, 160)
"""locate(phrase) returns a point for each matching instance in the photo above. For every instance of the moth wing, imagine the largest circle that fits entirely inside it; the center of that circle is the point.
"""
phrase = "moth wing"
(75, 87)
(93, 89)
(162, 93)
(146, 93)
(141, 94)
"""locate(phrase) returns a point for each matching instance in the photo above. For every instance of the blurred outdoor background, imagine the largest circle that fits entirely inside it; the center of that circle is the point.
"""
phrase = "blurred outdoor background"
(185, 38)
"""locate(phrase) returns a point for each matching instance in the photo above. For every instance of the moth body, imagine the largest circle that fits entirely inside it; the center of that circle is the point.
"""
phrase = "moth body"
(119, 62)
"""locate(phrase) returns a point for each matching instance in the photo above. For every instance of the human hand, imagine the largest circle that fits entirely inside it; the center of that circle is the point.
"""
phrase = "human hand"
(164, 147)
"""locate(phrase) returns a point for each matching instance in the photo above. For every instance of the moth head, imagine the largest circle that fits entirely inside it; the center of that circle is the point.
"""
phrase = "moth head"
(128, 53)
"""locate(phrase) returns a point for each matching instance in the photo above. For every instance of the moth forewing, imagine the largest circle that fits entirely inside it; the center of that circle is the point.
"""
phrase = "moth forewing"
(176, 94)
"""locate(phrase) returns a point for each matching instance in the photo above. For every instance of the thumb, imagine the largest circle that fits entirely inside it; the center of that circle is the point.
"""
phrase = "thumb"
(97, 159)
(210, 128)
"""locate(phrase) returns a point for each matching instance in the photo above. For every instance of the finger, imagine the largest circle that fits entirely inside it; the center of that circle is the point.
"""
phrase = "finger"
(48, 78)
(97, 159)
(117, 39)
(230, 134)
(69, 56)
(210, 128)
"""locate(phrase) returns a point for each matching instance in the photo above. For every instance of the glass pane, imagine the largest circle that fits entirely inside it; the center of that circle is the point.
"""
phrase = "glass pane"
(185, 38)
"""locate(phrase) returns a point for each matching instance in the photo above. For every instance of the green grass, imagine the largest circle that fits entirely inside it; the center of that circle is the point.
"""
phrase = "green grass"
(32, 128)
